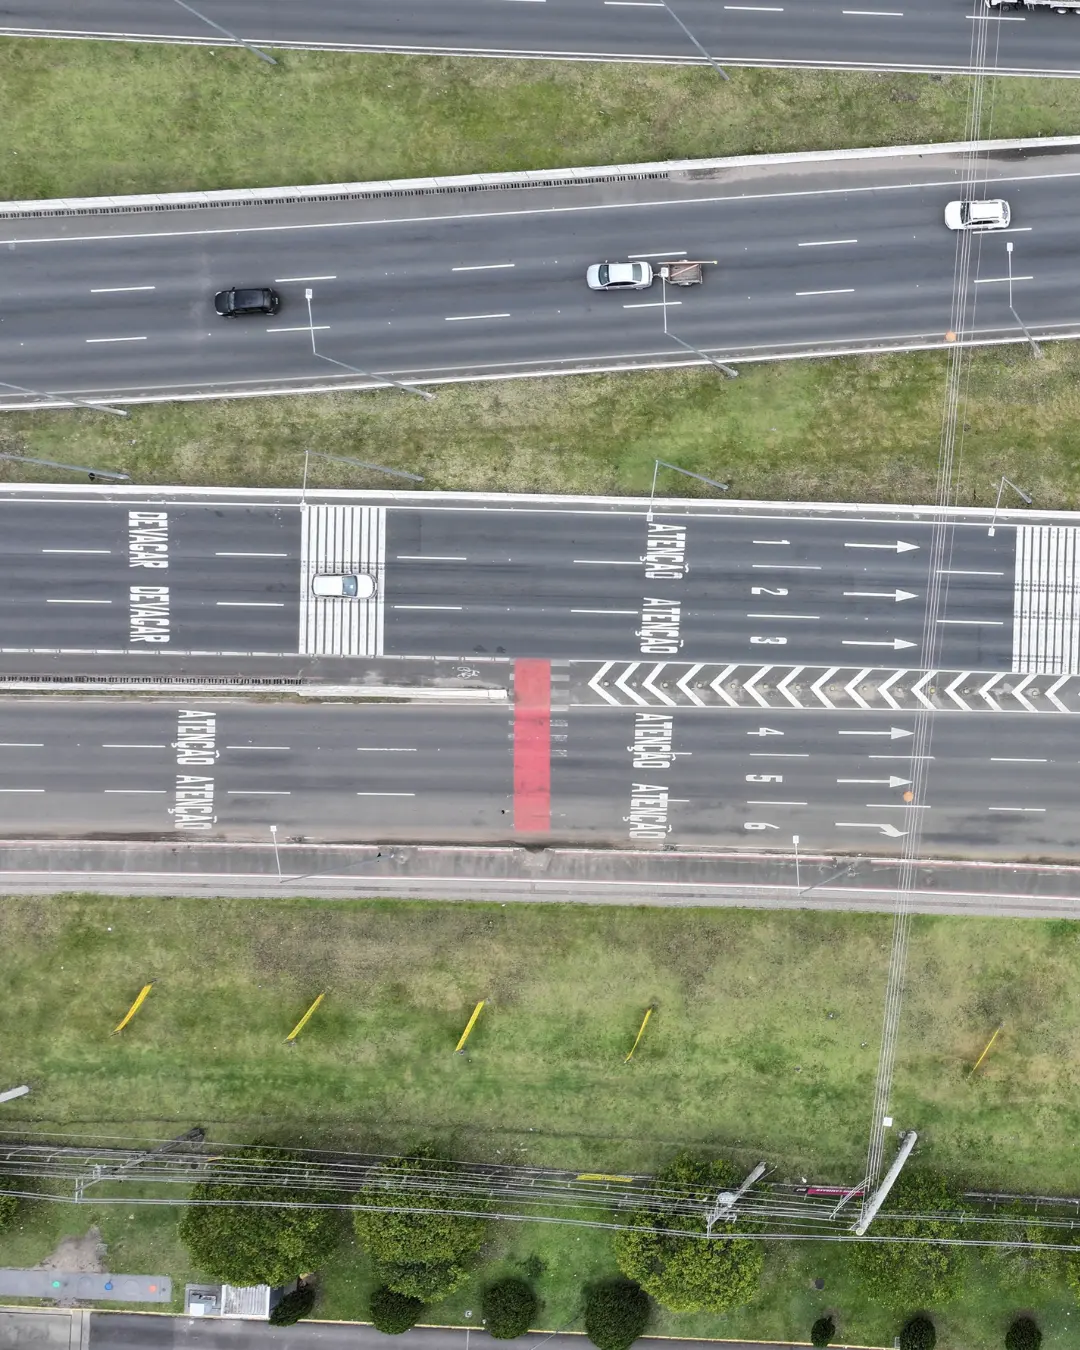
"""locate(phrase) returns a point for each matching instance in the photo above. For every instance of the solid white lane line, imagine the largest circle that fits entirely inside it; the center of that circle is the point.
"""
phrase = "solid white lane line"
(302, 328)
(772, 541)
(130, 745)
(671, 253)
(134, 792)
(465, 318)
(251, 555)
(431, 557)
(604, 611)
(776, 754)
(974, 623)
(908, 757)
(783, 616)
(77, 550)
(280, 281)
(841, 290)
(1008, 759)
(1000, 281)
(22, 789)
(826, 243)
(483, 267)
(387, 749)
(250, 604)
(874, 13)
(894, 806)
(607, 562)
(386, 794)
(651, 304)
(428, 606)
(758, 9)
(1035, 810)
(963, 572)
(258, 747)
(22, 745)
(78, 602)
(258, 792)
(771, 803)
(115, 290)
(636, 4)
(999, 18)
(787, 567)
(119, 339)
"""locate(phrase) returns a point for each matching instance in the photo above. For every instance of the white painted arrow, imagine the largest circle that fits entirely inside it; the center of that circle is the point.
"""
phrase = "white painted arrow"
(876, 782)
(885, 595)
(897, 644)
(893, 733)
(899, 547)
(889, 830)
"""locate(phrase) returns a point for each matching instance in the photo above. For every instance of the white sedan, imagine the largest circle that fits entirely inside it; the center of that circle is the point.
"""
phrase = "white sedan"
(343, 585)
(989, 215)
(627, 276)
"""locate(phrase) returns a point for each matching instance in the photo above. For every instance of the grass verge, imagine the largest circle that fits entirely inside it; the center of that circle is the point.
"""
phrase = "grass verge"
(764, 1044)
(863, 429)
(186, 118)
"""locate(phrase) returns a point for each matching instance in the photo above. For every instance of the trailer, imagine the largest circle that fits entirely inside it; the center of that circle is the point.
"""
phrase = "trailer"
(687, 273)
(1059, 6)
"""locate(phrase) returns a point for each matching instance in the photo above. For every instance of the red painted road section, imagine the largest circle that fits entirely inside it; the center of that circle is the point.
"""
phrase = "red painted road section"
(532, 747)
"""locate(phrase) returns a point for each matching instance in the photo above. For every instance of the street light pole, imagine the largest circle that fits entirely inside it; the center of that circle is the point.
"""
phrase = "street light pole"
(729, 371)
(1036, 349)
(277, 858)
(1005, 482)
(379, 379)
(795, 842)
(231, 36)
(715, 64)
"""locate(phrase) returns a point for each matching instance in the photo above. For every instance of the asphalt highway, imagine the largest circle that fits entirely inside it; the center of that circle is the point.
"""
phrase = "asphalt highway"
(103, 575)
(931, 35)
(734, 780)
(814, 258)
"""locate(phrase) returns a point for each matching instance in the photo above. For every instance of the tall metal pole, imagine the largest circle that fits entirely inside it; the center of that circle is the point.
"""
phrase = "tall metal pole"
(277, 857)
(1036, 349)
(715, 64)
(379, 379)
(255, 51)
(871, 1207)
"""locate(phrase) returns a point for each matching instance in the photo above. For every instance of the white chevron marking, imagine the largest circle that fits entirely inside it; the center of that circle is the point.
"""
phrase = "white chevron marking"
(850, 688)
(595, 682)
(782, 687)
(883, 689)
(815, 688)
(684, 685)
(749, 686)
(647, 683)
(917, 689)
(951, 691)
(984, 692)
(632, 694)
(717, 686)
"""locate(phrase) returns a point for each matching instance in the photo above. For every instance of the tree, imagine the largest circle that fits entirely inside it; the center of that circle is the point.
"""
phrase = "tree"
(421, 1253)
(1023, 1266)
(822, 1332)
(9, 1204)
(616, 1313)
(508, 1307)
(1024, 1334)
(252, 1239)
(913, 1274)
(918, 1333)
(392, 1312)
(691, 1273)
(296, 1304)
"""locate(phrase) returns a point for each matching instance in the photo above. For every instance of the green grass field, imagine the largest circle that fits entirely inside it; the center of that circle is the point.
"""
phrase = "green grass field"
(187, 117)
(742, 1059)
(843, 430)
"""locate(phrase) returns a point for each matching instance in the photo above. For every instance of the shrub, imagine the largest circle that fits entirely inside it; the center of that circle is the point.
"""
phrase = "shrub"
(293, 1306)
(822, 1332)
(424, 1255)
(616, 1313)
(9, 1204)
(257, 1242)
(918, 1333)
(687, 1274)
(508, 1307)
(1024, 1334)
(906, 1275)
(393, 1312)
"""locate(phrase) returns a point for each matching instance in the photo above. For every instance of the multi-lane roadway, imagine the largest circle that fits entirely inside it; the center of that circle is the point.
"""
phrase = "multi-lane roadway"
(848, 255)
(925, 35)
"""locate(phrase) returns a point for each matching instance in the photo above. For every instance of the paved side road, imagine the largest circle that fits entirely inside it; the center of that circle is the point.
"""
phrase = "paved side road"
(147, 1331)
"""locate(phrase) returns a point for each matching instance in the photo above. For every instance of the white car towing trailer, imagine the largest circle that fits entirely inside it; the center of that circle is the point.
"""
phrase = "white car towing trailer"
(1061, 6)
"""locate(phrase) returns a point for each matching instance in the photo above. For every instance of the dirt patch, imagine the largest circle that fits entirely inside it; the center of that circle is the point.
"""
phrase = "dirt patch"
(84, 1255)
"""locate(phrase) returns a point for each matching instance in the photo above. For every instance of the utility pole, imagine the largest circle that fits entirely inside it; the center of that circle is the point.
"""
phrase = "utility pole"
(1036, 349)
(1005, 482)
(379, 379)
(724, 1208)
(871, 1207)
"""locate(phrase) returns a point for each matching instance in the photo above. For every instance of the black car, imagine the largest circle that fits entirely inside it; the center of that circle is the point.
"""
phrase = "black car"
(247, 300)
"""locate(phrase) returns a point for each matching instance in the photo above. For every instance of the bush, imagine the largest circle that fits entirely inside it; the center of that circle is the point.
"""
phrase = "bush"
(509, 1307)
(616, 1313)
(822, 1332)
(687, 1274)
(918, 1333)
(1024, 1334)
(424, 1255)
(293, 1306)
(393, 1312)
(904, 1275)
(257, 1242)
(9, 1204)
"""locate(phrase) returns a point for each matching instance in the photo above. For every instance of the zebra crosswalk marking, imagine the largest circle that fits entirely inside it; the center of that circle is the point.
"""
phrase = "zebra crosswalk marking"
(342, 539)
(1046, 600)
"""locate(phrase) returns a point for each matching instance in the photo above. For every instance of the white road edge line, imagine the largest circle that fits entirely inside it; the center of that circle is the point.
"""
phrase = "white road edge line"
(483, 267)
(115, 290)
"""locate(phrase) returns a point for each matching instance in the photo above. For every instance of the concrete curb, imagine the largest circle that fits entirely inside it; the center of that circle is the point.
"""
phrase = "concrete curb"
(541, 178)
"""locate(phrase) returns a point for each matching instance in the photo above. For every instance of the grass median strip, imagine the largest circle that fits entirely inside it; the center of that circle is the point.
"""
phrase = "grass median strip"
(864, 429)
(195, 118)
